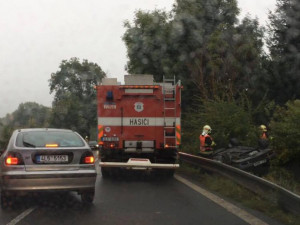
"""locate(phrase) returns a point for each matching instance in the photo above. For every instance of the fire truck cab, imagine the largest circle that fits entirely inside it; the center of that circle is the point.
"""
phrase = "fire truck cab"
(139, 123)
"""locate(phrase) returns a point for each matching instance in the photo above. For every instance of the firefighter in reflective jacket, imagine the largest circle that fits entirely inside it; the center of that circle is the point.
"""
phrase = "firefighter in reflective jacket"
(263, 141)
(264, 134)
(206, 141)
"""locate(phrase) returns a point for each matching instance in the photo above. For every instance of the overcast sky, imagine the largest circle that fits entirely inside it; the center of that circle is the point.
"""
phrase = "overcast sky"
(36, 35)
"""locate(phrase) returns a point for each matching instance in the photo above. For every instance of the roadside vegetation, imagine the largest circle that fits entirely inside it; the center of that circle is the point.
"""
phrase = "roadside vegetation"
(230, 82)
(242, 197)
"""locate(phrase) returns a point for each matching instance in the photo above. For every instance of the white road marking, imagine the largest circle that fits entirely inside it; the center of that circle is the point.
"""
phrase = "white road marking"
(247, 217)
(21, 216)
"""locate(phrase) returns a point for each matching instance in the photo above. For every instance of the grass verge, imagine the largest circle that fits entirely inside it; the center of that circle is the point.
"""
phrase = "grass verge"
(283, 177)
(229, 189)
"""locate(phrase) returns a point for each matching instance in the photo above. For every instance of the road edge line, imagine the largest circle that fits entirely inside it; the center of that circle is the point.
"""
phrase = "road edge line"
(21, 216)
(242, 214)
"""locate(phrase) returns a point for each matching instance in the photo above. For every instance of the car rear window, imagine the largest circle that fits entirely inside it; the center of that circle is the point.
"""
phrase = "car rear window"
(49, 139)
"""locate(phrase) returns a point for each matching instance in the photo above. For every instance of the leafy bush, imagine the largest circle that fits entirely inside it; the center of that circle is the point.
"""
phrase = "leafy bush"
(285, 127)
(227, 120)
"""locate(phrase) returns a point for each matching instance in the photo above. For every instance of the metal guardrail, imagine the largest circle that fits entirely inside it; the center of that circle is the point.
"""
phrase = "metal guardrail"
(285, 198)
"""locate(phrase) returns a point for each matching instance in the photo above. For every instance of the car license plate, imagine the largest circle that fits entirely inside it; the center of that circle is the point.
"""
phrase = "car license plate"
(52, 158)
(110, 138)
(259, 162)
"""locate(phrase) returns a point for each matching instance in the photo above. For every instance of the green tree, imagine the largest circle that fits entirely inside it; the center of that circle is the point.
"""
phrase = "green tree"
(75, 105)
(196, 25)
(283, 42)
(285, 132)
(219, 60)
(147, 41)
(227, 119)
(6, 132)
(28, 115)
(202, 44)
(223, 58)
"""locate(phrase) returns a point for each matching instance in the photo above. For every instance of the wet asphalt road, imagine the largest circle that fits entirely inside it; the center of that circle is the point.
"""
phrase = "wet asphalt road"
(134, 199)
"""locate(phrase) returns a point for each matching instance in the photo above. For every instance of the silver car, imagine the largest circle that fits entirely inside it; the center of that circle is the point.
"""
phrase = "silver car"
(42, 159)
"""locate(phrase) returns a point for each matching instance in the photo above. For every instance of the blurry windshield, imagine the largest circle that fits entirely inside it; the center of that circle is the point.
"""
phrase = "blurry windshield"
(48, 138)
(130, 87)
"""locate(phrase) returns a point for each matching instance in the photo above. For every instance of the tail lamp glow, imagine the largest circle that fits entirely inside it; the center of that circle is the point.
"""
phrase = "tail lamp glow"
(12, 160)
(89, 159)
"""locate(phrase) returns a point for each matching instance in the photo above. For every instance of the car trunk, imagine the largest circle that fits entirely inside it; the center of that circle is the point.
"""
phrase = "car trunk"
(52, 159)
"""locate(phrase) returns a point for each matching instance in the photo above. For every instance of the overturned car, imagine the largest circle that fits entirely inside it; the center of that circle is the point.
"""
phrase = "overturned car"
(250, 159)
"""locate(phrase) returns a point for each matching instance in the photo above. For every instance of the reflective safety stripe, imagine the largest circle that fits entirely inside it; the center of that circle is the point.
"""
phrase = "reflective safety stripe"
(178, 135)
(139, 121)
(140, 86)
(100, 134)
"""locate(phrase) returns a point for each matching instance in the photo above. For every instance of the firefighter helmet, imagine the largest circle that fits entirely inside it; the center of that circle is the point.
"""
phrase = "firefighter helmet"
(207, 129)
(263, 128)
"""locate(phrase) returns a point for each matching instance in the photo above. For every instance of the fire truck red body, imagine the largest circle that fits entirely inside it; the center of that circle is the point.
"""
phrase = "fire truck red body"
(139, 123)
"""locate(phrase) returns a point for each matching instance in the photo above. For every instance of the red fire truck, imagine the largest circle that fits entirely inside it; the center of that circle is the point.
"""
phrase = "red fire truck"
(139, 124)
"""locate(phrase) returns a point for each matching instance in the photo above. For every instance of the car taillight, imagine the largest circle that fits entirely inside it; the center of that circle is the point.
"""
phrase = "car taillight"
(89, 159)
(12, 161)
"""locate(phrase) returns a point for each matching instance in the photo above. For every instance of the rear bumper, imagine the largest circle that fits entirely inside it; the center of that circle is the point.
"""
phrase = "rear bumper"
(48, 180)
(139, 163)
(125, 154)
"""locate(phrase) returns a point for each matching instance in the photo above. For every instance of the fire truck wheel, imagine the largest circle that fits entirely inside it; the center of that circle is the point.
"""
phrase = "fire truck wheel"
(164, 173)
(169, 173)
(105, 172)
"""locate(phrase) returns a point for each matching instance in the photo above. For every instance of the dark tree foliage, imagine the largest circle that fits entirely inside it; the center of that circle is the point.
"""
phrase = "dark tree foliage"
(223, 58)
(28, 115)
(74, 105)
(227, 120)
(219, 60)
(229, 81)
(147, 43)
(284, 45)
(6, 132)
(285, 131)
(201, 43)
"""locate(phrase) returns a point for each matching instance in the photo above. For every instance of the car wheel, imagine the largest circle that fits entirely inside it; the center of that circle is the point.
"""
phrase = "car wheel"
(6, 200)
(87, 197)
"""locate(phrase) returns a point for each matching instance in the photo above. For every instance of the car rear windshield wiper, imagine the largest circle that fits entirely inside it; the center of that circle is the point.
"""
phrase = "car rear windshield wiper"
(27, 144)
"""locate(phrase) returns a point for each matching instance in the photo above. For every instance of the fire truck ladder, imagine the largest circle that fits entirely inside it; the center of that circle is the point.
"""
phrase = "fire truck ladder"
(169, 96)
